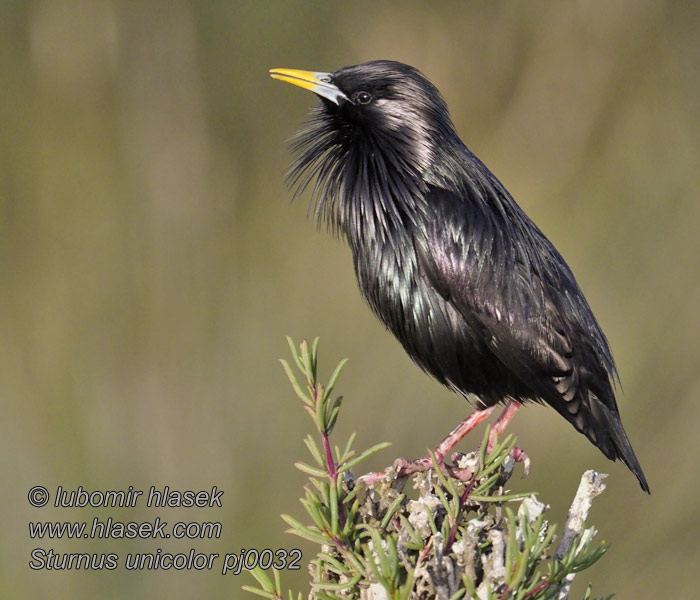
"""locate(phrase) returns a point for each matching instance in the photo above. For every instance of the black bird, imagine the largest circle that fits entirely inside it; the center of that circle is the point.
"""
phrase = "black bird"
(453, 267)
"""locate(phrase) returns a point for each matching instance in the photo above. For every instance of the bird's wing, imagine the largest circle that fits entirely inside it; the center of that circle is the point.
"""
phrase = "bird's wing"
(527, 309)
(472, 259)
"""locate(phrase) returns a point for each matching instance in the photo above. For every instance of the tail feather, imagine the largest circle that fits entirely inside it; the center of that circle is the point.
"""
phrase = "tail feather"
(603, 427)
(623, 447)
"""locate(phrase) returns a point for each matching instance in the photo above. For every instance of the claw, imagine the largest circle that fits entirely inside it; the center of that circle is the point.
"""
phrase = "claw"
(519, 455)
(372, 478)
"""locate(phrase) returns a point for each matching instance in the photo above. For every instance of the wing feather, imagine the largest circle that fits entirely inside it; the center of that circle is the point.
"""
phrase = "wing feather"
(515, 309)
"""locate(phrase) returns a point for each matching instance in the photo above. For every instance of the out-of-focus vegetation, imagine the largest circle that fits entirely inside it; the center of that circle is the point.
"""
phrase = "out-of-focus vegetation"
(151, 263)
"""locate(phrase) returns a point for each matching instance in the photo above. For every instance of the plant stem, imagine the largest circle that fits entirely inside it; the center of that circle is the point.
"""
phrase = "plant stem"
(330, 468)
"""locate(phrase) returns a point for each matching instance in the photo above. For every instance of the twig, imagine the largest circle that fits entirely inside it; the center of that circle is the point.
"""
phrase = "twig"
(591, 486)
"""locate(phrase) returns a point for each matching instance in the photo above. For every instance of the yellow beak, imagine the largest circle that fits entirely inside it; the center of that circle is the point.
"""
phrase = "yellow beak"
(318, 83)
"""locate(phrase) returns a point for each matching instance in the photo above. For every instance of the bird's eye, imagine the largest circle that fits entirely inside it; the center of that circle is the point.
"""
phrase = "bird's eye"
(363, 98)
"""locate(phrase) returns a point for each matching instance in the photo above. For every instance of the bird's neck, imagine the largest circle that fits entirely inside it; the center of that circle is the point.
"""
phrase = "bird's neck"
(378, 199)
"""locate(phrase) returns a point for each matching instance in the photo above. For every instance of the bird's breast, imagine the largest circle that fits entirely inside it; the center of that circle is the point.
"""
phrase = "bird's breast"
(430, 328)
(386, 273)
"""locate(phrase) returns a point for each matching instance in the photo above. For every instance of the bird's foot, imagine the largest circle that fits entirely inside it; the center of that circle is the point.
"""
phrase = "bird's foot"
(462, 466)
(402, 467)
(373, 477)
(519, 455)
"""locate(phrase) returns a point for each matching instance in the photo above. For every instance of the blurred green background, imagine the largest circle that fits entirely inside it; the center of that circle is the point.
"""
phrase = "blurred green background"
(152, 262)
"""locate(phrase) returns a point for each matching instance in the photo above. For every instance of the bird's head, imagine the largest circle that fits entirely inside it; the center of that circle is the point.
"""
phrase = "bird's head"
(375, 137)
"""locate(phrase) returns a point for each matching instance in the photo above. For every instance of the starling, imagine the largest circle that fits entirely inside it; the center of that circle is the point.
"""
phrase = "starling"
(477, 295)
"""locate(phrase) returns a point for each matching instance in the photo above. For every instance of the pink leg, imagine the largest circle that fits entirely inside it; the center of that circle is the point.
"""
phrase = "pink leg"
(404, 467)
(460, 431)
(499, 427)
(502, 422)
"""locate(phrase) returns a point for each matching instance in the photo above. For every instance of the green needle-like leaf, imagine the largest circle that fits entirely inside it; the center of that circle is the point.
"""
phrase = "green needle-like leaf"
(393, 507)
(335, 524)
(257, 592)
(263, 579)
(303, 531)
(295, 384)
(348, 446)
(314, 450)
(295, 354)
(338, 586)
(334, 377)
(315, 471)
(313, 361)
(305, 360)
(364, 456)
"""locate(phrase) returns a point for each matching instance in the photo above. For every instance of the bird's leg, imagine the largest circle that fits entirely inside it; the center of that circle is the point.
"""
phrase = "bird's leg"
(502, 422)
(452, 439)
(459, 432)
(499, 427)
(404, 467)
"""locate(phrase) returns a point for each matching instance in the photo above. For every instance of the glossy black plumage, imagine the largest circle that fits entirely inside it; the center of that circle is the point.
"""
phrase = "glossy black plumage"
(474, 291)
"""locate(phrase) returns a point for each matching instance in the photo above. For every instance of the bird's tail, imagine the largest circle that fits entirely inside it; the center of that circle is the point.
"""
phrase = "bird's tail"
(603, 427)
(623, 447)
(606, 432)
